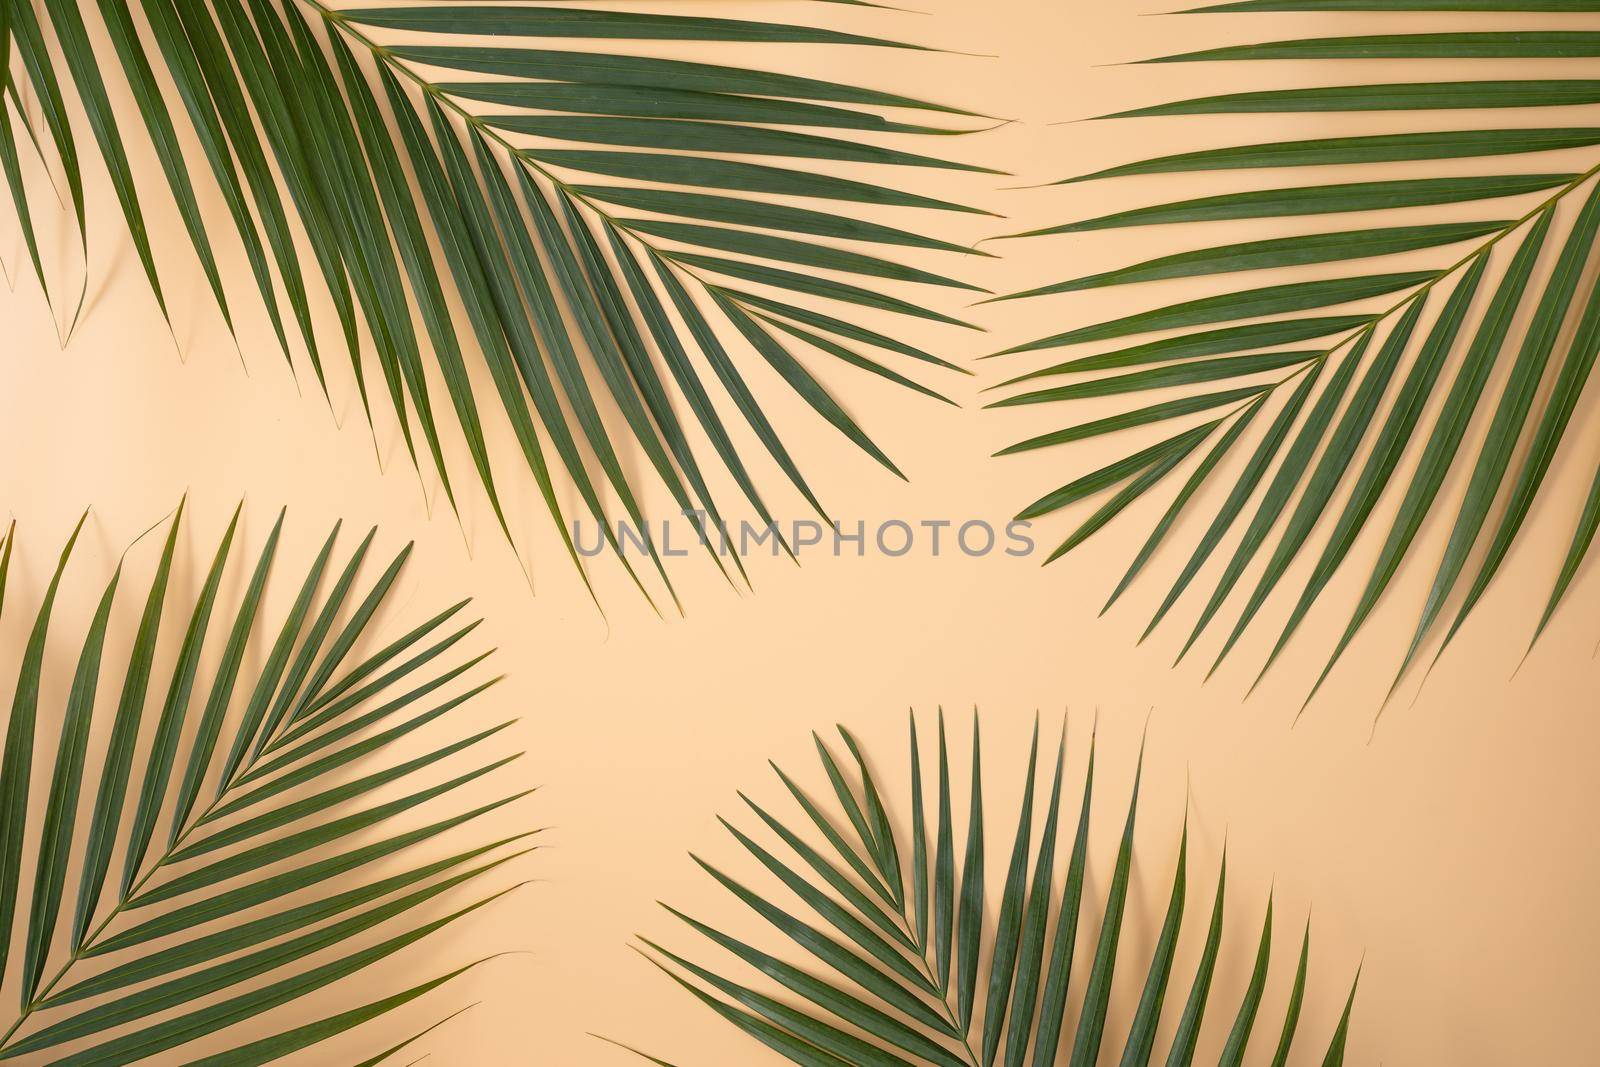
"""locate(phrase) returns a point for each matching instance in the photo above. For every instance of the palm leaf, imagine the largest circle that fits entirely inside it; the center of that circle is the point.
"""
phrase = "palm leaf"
(1360, 394)
(971, 991)
(264, 887)
(543, 178)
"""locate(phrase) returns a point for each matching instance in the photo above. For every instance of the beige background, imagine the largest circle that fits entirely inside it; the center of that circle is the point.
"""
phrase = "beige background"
(1452, 847)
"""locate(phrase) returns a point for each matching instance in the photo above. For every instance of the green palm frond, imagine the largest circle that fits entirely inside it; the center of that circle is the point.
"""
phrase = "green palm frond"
(910, 968)
(238, 841)
(1324, 382)
(608, 219)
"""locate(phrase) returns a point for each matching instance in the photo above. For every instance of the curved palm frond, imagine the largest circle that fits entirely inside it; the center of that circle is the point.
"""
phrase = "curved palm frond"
(913, 971)
(607, 220)
(1327, 380)
(224, 853)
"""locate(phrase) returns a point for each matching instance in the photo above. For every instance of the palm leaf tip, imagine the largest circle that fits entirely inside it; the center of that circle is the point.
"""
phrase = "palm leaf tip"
(335, 123)
(900, 984)
(175, 936)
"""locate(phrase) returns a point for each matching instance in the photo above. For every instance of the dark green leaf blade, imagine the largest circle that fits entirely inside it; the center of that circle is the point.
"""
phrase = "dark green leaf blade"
(1518, 44)
(1053, 1001)
(75, 46)
(117, 764)
(969, 916)
(1510, 414)
(1449, 429)
(1243, 1023)
(1297, 993)
(1394, 96)
(584, 67)
(1188, 1033)
(60, 815)
(1281, 252)
(1330, 199)
(1097, 994)
(1008, 924)
(174, 708)
(595, 24)
(1369, 148)
(16, 763)
(1142, 1032)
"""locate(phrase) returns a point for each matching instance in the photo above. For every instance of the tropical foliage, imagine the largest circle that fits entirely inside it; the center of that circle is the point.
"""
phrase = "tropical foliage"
(592, 212)
(1324, 381)
(913, 970)
(241, 836)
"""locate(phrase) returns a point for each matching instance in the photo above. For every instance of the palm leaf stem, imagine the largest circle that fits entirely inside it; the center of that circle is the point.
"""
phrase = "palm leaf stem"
(482, 129)
(944, 999)
(923, 943)
(81, 951)
(1421, 290)
(1425, 287)
(1489, 242)
(337, 20)
(924, 947)
(1267, 390)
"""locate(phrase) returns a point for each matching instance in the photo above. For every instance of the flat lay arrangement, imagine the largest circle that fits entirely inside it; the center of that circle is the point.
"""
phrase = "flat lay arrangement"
(761, 531)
